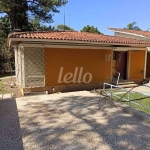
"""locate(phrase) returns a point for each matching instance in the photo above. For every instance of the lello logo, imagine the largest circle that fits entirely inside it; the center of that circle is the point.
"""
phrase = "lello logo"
(76, 77)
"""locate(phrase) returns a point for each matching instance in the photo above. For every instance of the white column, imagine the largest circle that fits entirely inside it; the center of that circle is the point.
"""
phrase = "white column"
(16, 60)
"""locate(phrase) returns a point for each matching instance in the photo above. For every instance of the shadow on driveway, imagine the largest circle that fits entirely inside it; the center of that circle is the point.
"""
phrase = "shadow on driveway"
(10, 132)
(71, 122)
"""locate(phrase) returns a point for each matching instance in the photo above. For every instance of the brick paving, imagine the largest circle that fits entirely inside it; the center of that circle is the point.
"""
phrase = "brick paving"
(72, 121)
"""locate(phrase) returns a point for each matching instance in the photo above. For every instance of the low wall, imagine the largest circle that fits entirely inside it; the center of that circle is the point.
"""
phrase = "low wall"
(64, 88)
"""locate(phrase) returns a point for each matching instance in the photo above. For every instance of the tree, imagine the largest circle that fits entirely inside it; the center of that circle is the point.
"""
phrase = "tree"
(35, 25)
(64, 27)
(6, 56)
(19, 11)
(17, 14)
(132, 26)
(5, 26)
(91, 29)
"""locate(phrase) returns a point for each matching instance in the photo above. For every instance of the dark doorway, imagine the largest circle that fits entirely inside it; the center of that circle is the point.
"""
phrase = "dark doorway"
(121, 64)
(148, 66)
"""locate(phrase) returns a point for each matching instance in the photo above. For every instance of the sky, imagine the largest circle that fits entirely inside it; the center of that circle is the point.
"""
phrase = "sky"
(104, 13)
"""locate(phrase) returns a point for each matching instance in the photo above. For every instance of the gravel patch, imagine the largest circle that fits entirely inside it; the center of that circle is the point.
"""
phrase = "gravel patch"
(72, 121)
(69, 121)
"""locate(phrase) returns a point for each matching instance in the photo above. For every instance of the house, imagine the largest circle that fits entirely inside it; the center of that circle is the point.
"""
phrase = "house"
(135, 34)
(67, 61)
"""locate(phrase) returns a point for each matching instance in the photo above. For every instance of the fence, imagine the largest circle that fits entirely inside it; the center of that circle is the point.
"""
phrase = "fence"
(136, 97)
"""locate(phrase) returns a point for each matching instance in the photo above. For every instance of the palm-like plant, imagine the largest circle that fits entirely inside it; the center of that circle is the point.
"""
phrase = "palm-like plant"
(132, 26)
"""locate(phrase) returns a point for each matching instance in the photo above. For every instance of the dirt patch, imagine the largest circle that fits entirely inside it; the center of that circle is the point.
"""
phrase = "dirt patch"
(5, 86)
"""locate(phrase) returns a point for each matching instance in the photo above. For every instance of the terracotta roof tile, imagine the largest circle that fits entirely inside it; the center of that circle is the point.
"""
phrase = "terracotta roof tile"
(139, 32)
(77, 36)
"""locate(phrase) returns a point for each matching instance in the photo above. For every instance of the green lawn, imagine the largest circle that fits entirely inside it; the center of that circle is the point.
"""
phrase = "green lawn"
(138, 98)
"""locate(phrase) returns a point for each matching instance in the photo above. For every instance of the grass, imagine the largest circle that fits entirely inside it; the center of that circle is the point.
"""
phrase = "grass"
(138, 98)
(2, 90)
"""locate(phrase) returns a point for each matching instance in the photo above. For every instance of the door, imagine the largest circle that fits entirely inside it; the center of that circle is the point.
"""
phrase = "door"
(121, 64)
(148, 66)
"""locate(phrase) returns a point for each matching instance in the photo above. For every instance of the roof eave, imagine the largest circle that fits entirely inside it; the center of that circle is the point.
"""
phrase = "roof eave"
(146, 37)
(15, 41)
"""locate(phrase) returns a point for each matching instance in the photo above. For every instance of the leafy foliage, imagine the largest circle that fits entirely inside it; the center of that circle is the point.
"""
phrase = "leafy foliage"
(91, 29)
(35, 25)
(5, 26)
(64, 27)
(132, 26)
(6, 56)
(17, 15)
(19, 11)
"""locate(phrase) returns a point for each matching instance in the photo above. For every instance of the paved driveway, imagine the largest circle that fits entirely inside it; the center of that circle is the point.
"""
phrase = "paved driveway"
(71, 121)
(10, 132)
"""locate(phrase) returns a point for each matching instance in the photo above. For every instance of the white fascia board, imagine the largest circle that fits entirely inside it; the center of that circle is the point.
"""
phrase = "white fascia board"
(132, 34)
(64, 46)
(73, 42)
(148, 49)
(81, 47)
(127, 48)
(49, 40)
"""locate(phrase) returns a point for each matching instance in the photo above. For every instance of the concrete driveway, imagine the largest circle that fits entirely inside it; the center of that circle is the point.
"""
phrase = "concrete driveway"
(70, 121)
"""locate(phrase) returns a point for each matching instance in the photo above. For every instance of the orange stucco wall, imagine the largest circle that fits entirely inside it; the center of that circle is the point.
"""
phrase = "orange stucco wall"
(92, 60)
(137, 64)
